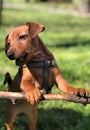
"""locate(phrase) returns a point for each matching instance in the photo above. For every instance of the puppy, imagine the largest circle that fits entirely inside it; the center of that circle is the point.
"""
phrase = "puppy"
(37, 71)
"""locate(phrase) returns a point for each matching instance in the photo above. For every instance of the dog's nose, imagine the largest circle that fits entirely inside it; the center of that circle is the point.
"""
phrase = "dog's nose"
(10, 55)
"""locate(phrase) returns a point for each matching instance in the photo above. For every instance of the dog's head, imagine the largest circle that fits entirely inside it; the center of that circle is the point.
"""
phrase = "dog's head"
(19, 42)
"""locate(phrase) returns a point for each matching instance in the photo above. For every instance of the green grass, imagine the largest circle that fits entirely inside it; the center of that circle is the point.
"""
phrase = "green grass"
(67, 37)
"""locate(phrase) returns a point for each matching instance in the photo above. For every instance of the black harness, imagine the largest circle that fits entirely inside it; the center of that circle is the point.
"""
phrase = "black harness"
(45, 65)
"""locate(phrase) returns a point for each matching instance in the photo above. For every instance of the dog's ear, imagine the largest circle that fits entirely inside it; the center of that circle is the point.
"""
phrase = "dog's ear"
(34, 28)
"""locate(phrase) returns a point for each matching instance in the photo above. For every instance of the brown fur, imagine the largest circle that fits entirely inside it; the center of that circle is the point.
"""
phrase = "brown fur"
(23, 45)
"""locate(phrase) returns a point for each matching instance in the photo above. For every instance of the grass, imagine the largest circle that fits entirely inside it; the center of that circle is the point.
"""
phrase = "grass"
(67, 37)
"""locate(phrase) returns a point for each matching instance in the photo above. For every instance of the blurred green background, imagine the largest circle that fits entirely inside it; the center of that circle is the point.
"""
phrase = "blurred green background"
(67, 36)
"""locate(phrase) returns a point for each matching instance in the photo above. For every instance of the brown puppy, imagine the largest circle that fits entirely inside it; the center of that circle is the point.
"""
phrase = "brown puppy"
(37, 71)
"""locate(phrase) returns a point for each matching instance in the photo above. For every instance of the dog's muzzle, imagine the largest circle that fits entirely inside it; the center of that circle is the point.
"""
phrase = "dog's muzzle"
(10, 55)
(19, 60)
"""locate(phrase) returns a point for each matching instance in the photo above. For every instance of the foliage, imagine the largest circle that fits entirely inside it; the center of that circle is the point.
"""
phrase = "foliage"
(67, 37)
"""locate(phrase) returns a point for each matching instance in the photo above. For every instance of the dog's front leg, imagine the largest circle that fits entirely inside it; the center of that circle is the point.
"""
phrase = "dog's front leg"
(65, 87)
(33, 94)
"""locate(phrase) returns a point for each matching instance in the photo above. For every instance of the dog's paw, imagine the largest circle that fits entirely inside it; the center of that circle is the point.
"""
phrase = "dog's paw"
(33, 96)
(81, 92)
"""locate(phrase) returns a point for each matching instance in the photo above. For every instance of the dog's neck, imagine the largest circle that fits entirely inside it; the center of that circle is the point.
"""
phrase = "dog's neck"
(41, 53)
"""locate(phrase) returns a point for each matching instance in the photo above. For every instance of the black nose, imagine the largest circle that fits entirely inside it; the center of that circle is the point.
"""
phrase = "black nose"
(10, 55)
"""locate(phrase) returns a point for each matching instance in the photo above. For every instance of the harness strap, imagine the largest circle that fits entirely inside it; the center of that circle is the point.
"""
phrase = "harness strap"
(45, 77)
(41, 64)
(45, 65)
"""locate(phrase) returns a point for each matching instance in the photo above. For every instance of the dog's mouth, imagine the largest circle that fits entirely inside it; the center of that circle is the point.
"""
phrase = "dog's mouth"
(21, 60)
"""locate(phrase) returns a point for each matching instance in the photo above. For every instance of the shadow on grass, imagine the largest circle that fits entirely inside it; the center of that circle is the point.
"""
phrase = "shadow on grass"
(69, 44)
(58, 119)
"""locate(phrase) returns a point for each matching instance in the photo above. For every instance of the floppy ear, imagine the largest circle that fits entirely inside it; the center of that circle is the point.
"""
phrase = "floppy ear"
(34, 28)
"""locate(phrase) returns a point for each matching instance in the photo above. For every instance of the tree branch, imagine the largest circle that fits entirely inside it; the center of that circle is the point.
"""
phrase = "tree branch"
(71, 98)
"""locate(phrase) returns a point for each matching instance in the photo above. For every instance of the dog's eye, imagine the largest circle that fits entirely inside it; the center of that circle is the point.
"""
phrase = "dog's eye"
(8, 44)
(22, 37)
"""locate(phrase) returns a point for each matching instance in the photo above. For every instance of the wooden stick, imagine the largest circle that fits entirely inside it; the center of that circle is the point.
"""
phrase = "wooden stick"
(71, 98)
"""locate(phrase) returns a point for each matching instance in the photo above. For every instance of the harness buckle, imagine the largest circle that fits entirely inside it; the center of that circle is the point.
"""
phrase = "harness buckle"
(49, 63)
(53, 62)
